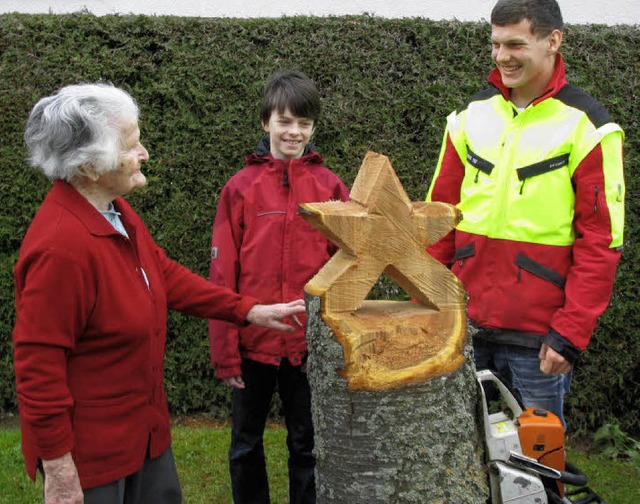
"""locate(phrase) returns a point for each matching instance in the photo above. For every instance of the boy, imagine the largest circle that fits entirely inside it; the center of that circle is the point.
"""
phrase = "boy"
(261, 245)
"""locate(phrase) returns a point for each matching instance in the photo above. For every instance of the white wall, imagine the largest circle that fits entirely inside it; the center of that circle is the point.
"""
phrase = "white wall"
(574, 11)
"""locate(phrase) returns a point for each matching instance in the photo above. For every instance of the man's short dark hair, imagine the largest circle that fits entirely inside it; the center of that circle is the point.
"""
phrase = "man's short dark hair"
(544, 15)
(293, 90)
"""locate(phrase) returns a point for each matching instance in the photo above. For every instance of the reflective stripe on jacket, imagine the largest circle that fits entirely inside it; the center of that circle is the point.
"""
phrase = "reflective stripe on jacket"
(541, 191)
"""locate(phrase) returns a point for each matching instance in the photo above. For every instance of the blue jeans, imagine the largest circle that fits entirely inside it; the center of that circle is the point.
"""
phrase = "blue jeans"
(520, 367)
(250, 408)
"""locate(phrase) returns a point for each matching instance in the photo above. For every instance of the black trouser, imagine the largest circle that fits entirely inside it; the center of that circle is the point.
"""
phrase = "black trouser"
(250, 409)
(156, 483)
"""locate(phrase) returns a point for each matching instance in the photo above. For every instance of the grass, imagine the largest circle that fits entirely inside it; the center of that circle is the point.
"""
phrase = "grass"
(201, 456)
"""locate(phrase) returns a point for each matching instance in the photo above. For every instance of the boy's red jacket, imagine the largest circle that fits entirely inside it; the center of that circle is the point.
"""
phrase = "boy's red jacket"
(262, 247)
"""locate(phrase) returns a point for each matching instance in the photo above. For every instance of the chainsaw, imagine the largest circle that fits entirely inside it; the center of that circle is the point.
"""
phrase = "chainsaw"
(525, 453)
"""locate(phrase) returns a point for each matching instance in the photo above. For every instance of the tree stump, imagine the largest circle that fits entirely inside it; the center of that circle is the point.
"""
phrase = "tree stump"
(394, 390)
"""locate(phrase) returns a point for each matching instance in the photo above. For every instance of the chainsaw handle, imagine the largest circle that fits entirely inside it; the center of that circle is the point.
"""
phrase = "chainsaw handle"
(572, 476)
(486, 375)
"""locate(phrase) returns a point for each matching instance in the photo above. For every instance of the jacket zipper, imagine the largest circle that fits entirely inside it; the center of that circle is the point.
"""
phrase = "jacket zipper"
(286, 248)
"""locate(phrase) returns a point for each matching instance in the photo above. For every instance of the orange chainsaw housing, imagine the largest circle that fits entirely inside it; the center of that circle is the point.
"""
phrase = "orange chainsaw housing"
(542, 438)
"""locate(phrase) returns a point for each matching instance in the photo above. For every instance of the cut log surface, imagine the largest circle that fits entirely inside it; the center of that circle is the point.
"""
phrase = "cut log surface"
(392, 343)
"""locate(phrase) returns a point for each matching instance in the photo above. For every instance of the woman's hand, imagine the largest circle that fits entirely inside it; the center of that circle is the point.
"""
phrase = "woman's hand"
(61, 482)
(270, 316)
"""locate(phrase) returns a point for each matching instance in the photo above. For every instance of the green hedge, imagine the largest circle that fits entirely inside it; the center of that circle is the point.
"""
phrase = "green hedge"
(387, 86)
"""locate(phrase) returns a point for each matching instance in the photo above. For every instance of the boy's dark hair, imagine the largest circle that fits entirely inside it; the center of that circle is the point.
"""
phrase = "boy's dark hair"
(544, 15)
(293, 90)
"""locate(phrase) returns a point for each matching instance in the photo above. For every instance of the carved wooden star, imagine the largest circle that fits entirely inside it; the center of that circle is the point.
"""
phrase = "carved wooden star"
(381, 230)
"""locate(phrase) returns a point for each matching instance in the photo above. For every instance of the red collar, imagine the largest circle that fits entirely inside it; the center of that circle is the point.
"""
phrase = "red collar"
(308, 159)
(556, 83)
(69, 197)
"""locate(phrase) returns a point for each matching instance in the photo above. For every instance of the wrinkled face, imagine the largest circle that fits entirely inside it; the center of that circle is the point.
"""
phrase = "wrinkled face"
(525, 61)
(289, 134)
(127, 176)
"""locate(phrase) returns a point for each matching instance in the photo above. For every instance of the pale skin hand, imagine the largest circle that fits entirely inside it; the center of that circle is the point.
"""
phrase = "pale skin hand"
(235, 382)
(61, 482)
(270, 316)
(551, 362)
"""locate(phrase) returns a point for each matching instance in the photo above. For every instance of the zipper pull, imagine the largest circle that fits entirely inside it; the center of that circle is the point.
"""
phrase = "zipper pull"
(595, 203)
(285, 182)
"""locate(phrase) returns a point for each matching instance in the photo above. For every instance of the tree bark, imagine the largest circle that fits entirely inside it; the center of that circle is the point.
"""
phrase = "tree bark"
(421, 443)
(393, 385)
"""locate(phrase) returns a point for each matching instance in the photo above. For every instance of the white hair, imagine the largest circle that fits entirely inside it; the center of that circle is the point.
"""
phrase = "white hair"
(78, 126)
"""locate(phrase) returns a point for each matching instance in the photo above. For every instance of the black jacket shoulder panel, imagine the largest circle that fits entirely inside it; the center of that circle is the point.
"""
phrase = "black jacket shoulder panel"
(485, 94)
(576, 98)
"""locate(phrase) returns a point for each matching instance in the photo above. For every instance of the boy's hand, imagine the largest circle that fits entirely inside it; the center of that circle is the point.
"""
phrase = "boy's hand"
(235, 382)
(270, 316)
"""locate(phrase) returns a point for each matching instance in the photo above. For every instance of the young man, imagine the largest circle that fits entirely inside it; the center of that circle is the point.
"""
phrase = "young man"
(536, 167)
(261, 245)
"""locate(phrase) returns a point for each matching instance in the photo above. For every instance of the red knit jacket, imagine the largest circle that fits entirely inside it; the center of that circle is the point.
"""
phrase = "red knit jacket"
(90, 336)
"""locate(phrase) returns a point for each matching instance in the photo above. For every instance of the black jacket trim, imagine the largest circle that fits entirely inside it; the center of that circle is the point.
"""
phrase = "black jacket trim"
(545, 166)
(540, 270)
(513, 338)
(464, 252)
(562, 345)
(264, 147)
(481, 164)
(485, 94)
(576, 98)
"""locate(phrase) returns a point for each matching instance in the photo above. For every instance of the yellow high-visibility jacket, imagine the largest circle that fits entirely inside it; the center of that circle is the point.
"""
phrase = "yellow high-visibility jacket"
(541, 191)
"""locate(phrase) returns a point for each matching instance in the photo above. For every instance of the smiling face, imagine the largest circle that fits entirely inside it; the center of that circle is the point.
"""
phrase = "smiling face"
(127, 176)
(526, 61)
(289, 134)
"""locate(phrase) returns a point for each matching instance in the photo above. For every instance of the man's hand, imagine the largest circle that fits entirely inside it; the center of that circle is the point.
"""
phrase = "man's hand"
(551, 362)
(235, 382)
(61, 482)
(270, 316)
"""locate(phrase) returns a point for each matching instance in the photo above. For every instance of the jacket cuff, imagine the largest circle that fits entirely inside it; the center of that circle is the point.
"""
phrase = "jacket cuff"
(243, 309)
(228, 372)
(562, 345)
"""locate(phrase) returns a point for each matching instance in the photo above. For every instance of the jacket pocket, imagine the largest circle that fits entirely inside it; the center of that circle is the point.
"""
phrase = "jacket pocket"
(540, 270)
(540, 168)
(480, 164)
(107, 430)
(463, 253)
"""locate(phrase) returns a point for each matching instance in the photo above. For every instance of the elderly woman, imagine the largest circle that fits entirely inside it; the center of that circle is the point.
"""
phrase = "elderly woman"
(92, 293)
